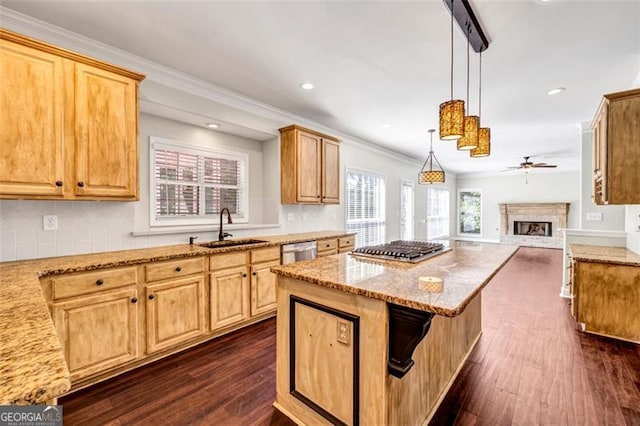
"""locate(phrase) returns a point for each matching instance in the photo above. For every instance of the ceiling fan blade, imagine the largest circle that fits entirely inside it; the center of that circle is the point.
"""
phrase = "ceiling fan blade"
(514, 167)
(539, 165)
(548, 166)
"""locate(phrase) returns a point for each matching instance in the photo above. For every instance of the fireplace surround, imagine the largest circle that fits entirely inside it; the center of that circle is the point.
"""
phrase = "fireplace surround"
(533, 224)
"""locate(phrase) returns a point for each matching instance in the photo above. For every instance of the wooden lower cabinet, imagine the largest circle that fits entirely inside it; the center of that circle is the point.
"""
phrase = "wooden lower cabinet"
(228, 297)
(327, 247)
(98, 332)
(175, 312)
(263, 288)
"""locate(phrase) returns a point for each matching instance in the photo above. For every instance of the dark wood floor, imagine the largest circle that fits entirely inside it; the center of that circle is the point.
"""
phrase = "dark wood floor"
(530, 368)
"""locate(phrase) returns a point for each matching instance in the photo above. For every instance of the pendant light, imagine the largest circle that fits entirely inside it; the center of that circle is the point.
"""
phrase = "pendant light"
(452, 111)
(484, 133)
(428, 176)
(471, 122)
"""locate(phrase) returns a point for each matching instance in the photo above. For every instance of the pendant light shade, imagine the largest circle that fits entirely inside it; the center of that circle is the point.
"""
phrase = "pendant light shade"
(484, 143)
(470, 139)
(431, 172)
(452, 111)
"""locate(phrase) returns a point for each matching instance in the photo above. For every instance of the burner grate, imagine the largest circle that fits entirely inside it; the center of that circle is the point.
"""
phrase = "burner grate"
(408, 251)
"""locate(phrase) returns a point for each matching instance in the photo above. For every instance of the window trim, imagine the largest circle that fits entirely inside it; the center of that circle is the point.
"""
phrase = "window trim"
(448, 234)
(156, 142)
(383, 203)
(411, 184)
(467, 234)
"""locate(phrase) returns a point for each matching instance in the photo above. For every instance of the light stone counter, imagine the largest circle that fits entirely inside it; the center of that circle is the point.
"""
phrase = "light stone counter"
(32, 366)
(466, 269)
(604, 254)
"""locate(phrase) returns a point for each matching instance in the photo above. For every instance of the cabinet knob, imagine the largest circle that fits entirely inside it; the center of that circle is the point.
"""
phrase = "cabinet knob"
(99, 282)
(58, 183)
(81, 184)
(254, 274)
(317, 196)
(328, 245)
(178, 269)
(134, 300)
(151, 297)
(244, 275)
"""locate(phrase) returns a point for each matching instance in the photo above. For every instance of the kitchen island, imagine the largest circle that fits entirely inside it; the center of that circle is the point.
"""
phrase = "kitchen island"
(365, 341)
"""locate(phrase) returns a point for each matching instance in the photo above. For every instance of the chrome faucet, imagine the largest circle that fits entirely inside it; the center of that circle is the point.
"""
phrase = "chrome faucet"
(221, 234)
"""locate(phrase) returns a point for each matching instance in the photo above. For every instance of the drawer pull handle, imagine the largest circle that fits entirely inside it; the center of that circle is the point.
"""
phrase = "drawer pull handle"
(58, 183)
(134, 300)
(178, 269)
(81, 184)
(99, 282)
(151, 297)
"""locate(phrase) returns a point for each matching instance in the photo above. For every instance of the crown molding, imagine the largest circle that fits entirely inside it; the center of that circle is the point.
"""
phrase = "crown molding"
(24, 24)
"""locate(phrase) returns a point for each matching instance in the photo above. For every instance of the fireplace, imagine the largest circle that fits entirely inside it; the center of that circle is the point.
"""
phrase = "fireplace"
(539, 229)
(533, 224)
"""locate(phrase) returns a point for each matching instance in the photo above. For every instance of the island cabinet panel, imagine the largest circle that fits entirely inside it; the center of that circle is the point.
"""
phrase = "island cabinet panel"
(106, 131)
(31, 109)
(98, 332)
(229, 297)
(175, 312)
(263, 288)
(607, 297)
(438, 359)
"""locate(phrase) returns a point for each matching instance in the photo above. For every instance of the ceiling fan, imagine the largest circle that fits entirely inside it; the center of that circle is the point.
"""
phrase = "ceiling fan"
(527, 165)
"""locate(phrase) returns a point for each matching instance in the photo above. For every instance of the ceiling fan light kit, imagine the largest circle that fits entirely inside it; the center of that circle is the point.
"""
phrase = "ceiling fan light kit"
(429, 174)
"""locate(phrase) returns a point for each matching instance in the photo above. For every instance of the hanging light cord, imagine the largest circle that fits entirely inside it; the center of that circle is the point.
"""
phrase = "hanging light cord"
(451, 50)
(468, 37)
(480, 87)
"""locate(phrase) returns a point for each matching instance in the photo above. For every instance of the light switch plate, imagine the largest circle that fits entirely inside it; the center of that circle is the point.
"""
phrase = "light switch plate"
(344, 332)
(49, 222)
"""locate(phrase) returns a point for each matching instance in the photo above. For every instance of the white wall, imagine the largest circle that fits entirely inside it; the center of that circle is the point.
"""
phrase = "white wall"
(541, 188)
(613, 217)
(633, 227)
(95, 226)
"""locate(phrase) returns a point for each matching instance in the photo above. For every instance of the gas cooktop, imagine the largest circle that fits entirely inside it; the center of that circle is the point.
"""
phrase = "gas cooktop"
(401, 250)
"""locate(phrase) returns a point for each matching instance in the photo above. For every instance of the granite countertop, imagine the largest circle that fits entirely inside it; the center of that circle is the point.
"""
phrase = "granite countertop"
(32, 366)
(604, 254)
(466, 269)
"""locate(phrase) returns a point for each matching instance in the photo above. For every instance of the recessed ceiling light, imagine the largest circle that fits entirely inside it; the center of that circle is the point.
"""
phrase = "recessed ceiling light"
(213, 125)
(556, 91)
(306, 86)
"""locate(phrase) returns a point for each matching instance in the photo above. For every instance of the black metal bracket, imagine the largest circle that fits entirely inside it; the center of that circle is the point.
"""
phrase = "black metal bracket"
(469, 24)
(407, 328)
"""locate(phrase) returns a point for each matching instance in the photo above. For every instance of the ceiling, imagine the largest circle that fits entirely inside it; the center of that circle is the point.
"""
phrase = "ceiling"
(387, 63)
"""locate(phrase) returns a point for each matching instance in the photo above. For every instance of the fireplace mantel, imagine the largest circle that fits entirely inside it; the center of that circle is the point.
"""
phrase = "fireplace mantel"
(551, 212)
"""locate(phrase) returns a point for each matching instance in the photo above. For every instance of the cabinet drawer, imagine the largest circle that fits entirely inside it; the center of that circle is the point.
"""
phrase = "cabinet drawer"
(90, 282)
(327, 252)
(346, 242)
(176, 268)
(228, 260)
(265, 254)
(326, 245)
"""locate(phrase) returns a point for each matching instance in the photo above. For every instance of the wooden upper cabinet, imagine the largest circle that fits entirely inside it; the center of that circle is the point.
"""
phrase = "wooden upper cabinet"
(309, 167)
(106, 131)
(69, 124)
(31, 117)
(616, 149)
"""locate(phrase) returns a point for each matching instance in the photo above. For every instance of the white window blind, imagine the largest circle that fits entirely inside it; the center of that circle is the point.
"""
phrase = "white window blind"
(365, 207)
(191, 186)
(437, 213)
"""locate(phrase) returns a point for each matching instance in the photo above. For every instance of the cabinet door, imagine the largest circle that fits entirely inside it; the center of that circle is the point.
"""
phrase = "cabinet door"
(106, 110)
(330, 172)
(309, 173)
(263, 288)
(175, 312)
(98, 332)
(32, 116)
(229, 297)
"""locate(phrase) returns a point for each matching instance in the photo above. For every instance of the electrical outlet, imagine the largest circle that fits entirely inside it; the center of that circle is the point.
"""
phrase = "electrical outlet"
(49, 222)
(344, 332)
(594, 217)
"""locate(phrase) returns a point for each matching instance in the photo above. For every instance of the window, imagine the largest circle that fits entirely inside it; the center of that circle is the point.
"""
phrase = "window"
(191, 185)
(365, 207)
(406, 210)
(470, 212)
(437, 213)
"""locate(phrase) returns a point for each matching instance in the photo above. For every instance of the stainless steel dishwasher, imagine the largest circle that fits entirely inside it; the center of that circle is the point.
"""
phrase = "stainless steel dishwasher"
(299, 251)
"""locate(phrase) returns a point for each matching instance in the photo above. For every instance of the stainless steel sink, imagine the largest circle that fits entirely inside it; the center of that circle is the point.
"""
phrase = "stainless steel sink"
(230, 243)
